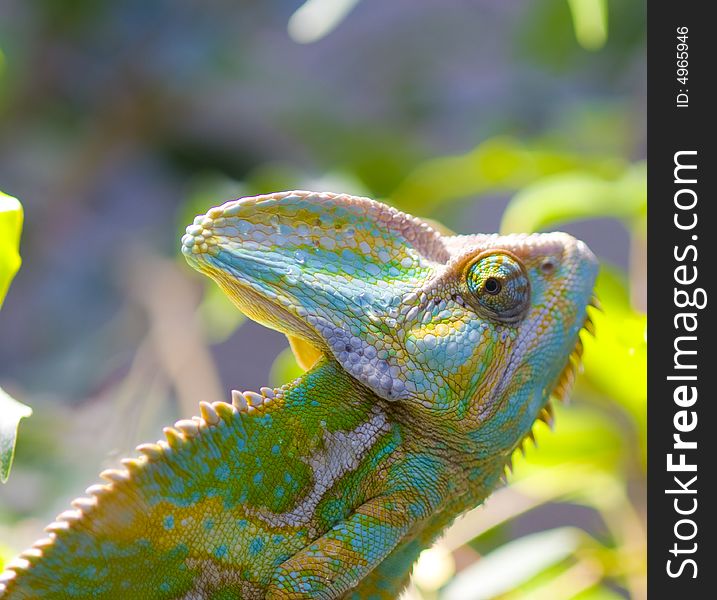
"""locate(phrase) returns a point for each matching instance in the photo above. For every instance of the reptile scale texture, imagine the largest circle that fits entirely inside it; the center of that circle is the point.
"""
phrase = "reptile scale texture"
(428, 355)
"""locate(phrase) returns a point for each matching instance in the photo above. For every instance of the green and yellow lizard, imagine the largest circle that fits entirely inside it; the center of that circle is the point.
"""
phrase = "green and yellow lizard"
(429, 356)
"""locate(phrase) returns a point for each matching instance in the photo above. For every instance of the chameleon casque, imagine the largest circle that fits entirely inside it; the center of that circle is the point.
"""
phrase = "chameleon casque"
(429, 357)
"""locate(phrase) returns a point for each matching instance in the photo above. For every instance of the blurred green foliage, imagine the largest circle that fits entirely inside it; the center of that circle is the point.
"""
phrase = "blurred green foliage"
(566, 151)
(10, 230)
(598, 449)
(11, 411)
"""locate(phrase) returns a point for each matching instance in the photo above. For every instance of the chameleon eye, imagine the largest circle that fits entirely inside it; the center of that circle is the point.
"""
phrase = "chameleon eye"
(499, 285)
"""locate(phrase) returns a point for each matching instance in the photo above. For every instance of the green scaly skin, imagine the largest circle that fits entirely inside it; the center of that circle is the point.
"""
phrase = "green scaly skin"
(430, 357)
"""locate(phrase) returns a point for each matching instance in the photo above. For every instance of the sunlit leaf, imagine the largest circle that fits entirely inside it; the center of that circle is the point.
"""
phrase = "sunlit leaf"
(11, 411)
(589, 22)
(579, 483)
(598, 592)
(577, 195)
(498, 164)
(6, 554)
(434, 567)
(10, 229)
(583, 435)
(510, 565)
(615, 360)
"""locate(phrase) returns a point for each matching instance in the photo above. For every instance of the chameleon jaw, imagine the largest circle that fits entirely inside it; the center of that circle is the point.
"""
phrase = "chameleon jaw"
(561, 390)
(566, 380)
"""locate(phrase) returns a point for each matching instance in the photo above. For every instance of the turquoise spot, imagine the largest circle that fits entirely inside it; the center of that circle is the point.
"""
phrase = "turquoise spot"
(208, 524)
(176, 486)
(222, 472)
(220, 551)
(88, 572)
(256, 546)
(279, 492)
(275, 449)
(169, 522)
(258, 477)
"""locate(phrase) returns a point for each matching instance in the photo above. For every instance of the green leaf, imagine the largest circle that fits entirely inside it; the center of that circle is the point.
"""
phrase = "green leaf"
(599, 593)
(497, 164)
(11, 411)
(583, 435)
(615, 360)
(589, 22)
(10, 230)
(501, 570)
(577, 195)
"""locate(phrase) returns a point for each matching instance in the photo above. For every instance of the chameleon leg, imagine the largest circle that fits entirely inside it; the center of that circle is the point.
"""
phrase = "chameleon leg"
(339, 559)
(389, 578)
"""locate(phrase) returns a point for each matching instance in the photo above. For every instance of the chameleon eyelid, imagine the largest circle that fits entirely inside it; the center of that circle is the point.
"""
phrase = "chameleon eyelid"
(481, 296)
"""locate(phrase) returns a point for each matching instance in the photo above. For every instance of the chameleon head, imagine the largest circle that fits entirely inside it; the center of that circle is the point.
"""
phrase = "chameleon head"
(469, 326)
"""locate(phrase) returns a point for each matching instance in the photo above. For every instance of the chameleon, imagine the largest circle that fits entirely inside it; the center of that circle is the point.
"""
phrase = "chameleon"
(428, 358)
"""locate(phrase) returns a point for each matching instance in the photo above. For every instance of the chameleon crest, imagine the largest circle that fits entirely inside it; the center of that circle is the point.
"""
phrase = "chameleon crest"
(429, 356)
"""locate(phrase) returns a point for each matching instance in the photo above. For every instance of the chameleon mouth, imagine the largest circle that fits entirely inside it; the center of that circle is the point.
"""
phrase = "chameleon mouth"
(306, 343)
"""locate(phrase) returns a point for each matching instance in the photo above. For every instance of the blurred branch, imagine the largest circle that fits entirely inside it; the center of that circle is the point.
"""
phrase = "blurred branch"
(173, 329)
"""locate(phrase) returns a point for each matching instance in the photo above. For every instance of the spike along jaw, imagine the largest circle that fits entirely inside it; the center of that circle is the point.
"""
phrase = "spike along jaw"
(452, 324)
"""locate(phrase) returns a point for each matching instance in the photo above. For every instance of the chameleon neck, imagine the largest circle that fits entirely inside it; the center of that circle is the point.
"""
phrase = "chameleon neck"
(198, 510)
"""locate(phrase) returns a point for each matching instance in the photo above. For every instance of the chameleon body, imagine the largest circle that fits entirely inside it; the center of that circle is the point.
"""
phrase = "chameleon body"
(429, 356)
